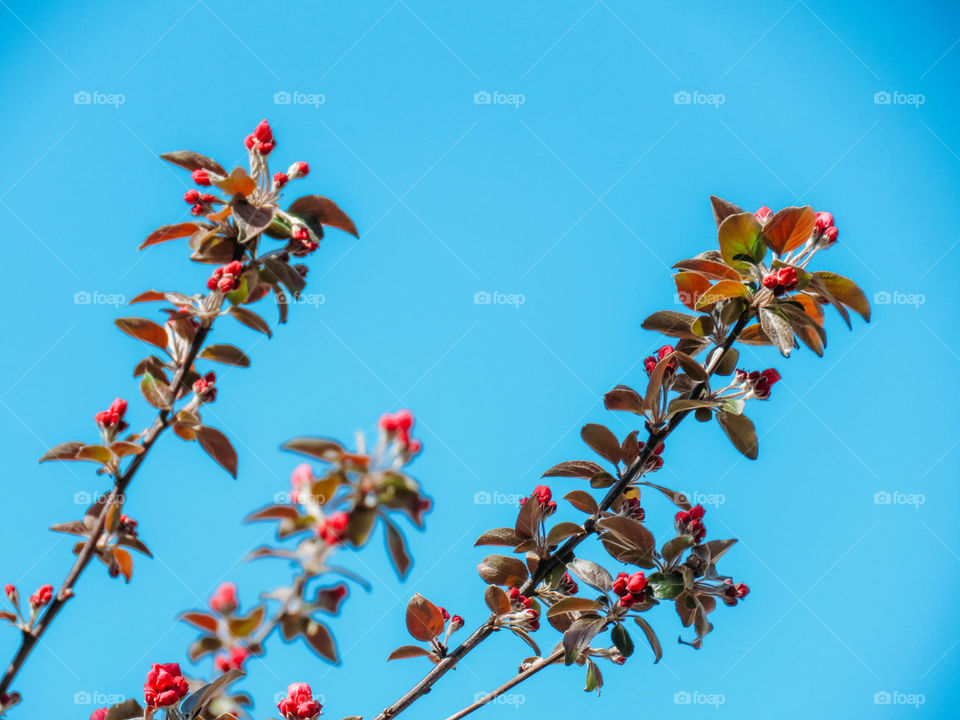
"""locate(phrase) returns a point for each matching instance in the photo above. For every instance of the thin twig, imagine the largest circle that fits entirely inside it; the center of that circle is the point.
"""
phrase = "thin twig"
(564, 553)
(535, 667)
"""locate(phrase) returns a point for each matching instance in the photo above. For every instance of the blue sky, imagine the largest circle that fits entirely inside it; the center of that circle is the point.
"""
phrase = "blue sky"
(575, 188)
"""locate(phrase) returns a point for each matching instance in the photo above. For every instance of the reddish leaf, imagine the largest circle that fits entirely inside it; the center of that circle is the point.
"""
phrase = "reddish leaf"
(325, 211)
(169, 232)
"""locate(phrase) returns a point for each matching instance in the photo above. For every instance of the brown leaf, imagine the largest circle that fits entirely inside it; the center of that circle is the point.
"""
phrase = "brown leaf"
(397, 547)
(217, 446)
(226, 354)
(144, 329)
(325, 211)
(408, 651)
(201, 620)
(602, 441)
(789, 228)
(502, 570)
(168, 232)
(741, 431)
(193, 161)
(424, 619)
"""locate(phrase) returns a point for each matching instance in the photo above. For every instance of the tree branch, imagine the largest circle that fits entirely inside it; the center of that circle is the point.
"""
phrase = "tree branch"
(564, 553)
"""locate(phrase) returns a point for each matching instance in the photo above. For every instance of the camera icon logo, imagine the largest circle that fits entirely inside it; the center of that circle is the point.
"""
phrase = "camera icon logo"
(682, 97)
(482, 297)
(482, 497)
(482, 98)
(881, 698)
(881, 298)
(82, 698)
(882, 97)
(881, 498)
(281, 98)
(82, 498)
(81, 97)
(81, 297)
(681, 697)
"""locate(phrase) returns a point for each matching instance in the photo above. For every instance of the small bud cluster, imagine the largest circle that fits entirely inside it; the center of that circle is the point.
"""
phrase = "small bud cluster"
(524, 616)
(650, 362)
(544, 496)
(731, 593)
(333, 528)
(655, 461)
(204, 388)
(112, 417)
(299, 703)
(781, 281)
(398, 426)
(756, 384)
(567, 585)
(690, 522)
(224, 599)
(631, 506)
(631, 589)
(305, 244)
(165, 685)
(261, 140)
(201, 203)
(825, 230)
(227, 278)
(232, 659)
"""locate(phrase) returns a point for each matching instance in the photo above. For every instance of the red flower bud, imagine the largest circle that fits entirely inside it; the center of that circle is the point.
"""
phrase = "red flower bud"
(100, 714)
(299, 703)
(770, 281)
(165, 685)
(514, 593)
(300, 233)
(298, 170)
(333, 528)
(266, 148)
(262, 132)
(771, 375)
(787, 278)
(201, 177)
(649, 364)
(404, 419)
(224, 598)
(118, 406)
(697, 512)
(192, 197)
(280, 179)
(830, 235)
(42, 596)
(664, 351)
(763, 214)
(823, 221)
(456, 622)
(542, 494)
(197, 210)
(742, 590)
(636, 583)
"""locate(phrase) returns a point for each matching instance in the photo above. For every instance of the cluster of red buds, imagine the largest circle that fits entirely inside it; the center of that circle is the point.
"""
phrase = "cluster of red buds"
(204, 388)
(261, 139)
(165, 685)
(655, 461)
(112, 417)
(454, 623)
(201, 177)
(630, 589)
(294, 172)
(232, 660)
(525, 616)
(224, 599)
(731, 593)
(690, 522)
(42, 597)
(650, 362)
(333, 528)
(631, 507)
(781, 281)
(825, 230)
(302, 236)
(398, 425)
(226, 278)
(201, 203)
(299, 703)
(567, 585)
(544, 496)
(757, 384)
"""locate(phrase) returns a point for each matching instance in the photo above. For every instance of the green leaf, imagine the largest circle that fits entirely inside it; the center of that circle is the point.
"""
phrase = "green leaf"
(95, 453)
(740, 235)
(621, 638)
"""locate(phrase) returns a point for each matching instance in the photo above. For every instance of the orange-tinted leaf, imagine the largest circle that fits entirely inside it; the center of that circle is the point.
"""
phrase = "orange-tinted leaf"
(789, 228)
(169, 232)
(708, 268)
(424, 619)
(238, 182)
(847, 292)
(690, 286)
(124, 561)
(144, 329)
(723, 290)
(217, 446)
